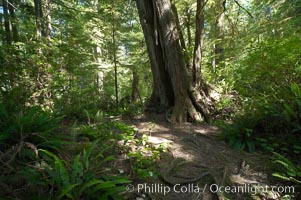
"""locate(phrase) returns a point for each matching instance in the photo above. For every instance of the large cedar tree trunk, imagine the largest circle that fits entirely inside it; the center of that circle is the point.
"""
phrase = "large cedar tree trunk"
(162, 95)
(172, 86)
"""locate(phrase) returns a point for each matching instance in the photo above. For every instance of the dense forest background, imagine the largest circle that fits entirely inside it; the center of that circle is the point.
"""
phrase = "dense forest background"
(70, 69)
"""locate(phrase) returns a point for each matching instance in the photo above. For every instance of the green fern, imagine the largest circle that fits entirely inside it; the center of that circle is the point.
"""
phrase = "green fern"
(289, 171)
(79, 179)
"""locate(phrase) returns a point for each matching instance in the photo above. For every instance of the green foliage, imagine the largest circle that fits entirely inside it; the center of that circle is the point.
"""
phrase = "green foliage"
(21, 133)
(271, 127)
(132, 109)
(239, 135)
(32, 125)
(288, 171)
(99, 127)
(81, 177)
(143, 157)
(141, 154)
(268, 68)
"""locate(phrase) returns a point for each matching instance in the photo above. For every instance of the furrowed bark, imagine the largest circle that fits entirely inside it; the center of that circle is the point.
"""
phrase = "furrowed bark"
(161, 31)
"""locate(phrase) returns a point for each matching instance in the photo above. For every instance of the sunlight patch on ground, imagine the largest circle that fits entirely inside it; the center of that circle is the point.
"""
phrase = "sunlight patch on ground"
(158, 140)
(178, 149)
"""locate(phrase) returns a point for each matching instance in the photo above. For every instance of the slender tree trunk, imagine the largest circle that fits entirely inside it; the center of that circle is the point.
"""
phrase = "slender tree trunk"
(48, 19)
(6, 23)
(98, 52)
(218, 34)
(188, 24)
(38, 13)
(219, 48)
(2, 27)
(115, 57)
(96, 3)
(100, 74)
(199, 33)
(13, 20)
(135, 89)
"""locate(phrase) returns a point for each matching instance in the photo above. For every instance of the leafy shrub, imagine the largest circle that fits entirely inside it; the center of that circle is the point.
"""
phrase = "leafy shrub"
(286, 169)
(271, 126)
(239, 135)
(83, 178)
(32, 125)
(21, 134)
(143, 159)
(268, 68)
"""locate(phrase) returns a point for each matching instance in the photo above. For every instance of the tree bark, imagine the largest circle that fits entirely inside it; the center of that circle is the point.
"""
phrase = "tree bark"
(159, 25)
(135, 89)
(162, 95)
(184, 104)
(218, 32)
(2, 28)
(115, 57)
(180, 32)
(197, 53)
(6, 23)
(188, 24)
(48, 19)
(39, 15)
(98, 53)
(13, 20)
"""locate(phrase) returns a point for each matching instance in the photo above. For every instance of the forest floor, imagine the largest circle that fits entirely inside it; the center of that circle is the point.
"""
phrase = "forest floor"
(197, 165)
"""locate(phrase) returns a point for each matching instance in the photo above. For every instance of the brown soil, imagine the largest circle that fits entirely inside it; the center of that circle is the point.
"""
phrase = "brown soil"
(198, 161)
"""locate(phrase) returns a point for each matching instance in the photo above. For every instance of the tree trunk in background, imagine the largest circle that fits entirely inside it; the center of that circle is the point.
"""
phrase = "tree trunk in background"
(135, 89)
(100, 74)
(198, 44)
(98, 52)
(13, 20)
(38, 13)
(187, 23)
(48, 19)
(2, 27)
(6, 23)
(115, 58)
(166, 56)
(218, 30)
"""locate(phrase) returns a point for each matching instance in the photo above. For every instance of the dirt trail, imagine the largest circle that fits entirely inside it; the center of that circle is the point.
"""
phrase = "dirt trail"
(201, 164)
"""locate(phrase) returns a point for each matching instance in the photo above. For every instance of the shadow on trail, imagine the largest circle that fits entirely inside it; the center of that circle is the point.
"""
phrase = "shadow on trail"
(196, 158)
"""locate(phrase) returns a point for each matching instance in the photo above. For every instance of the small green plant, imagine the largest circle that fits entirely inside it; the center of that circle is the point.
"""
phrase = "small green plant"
(239, 135)
(242, 142)
(83, 178)
(98, 117)
(132, 109)
(141, 154)
(143, 157)
(32, 125)
(269, 125)
(288, 171)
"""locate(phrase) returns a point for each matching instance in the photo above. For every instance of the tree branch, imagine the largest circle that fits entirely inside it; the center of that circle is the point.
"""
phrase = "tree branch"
(243, 9)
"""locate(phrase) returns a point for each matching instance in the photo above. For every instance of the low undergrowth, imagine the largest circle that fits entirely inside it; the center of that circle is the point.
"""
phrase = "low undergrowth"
(41, 158)
(272, 126)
